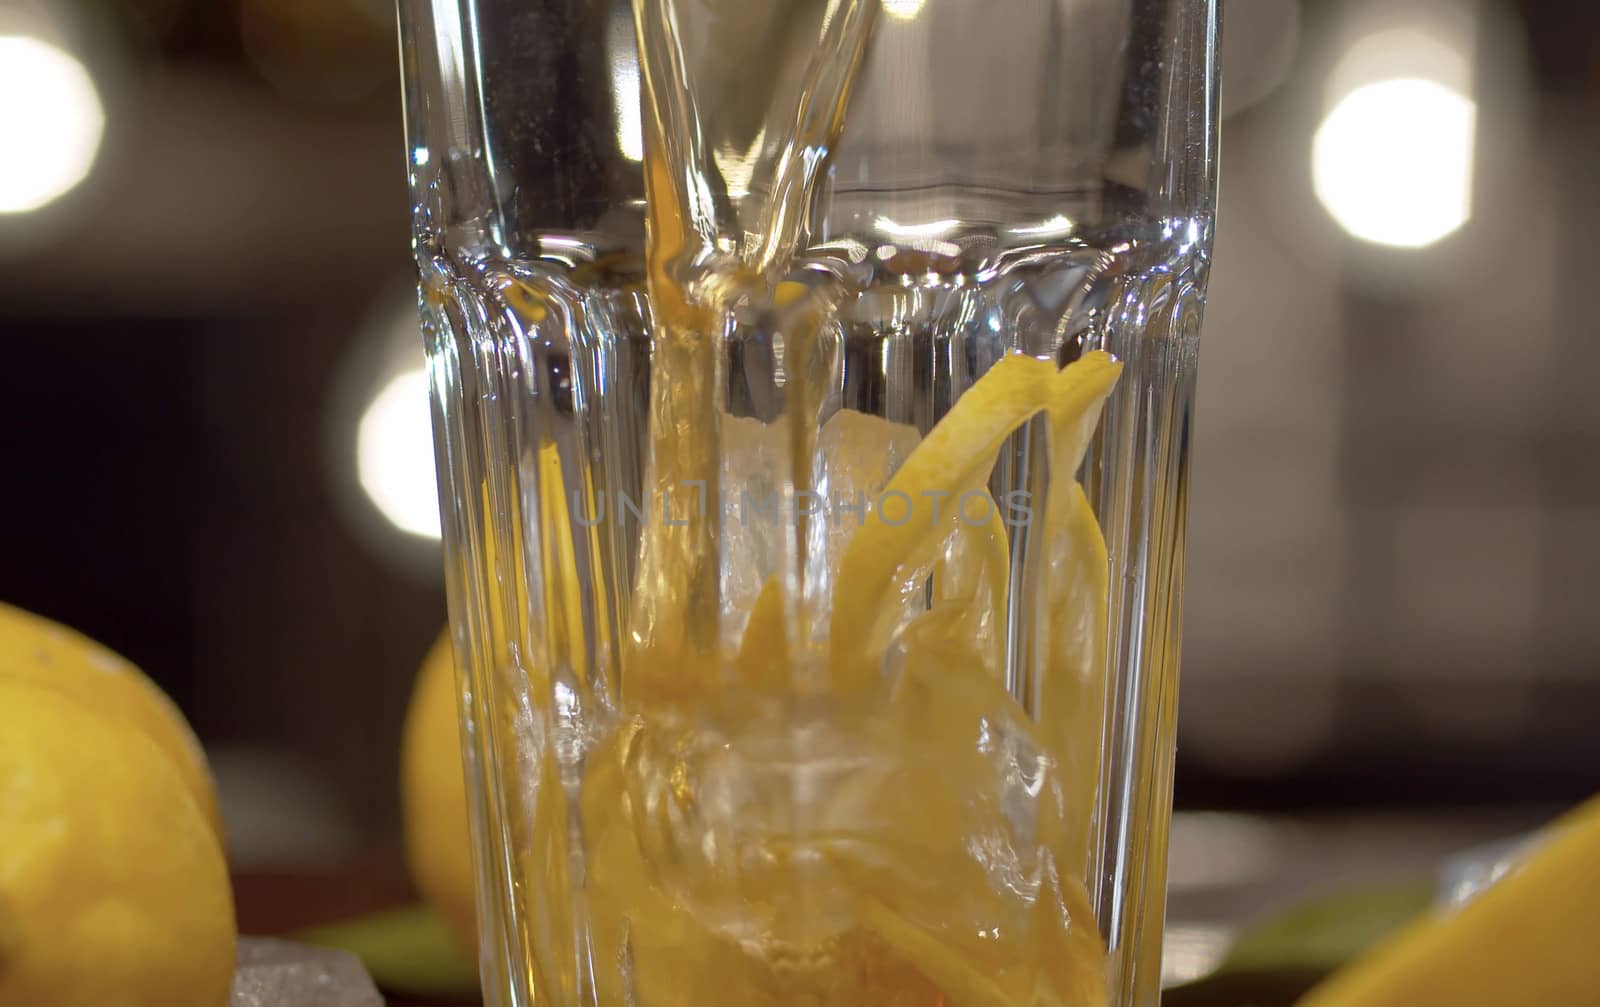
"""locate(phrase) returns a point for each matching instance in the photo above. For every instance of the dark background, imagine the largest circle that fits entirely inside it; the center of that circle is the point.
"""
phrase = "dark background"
(1395, 517)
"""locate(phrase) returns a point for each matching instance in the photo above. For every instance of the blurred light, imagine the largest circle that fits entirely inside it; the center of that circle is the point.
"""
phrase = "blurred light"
(1392, 161)
(394, 455)
(625, 86)
(51, 122)
(1432, 48)
(903, 10)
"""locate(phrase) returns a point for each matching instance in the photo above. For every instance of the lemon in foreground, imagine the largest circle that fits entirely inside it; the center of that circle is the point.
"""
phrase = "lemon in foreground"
(113, 888)
(434, 796)
(1528, 939)
(39, 652)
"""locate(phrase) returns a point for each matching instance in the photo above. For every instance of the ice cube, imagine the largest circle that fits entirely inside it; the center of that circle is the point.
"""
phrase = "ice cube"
(856, 455)
(276, 973)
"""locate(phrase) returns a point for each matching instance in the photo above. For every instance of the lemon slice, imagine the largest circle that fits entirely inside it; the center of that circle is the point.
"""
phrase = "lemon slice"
(764, 647)
(563, 596)
(1064, 967)
(955, 457)
(972, 578)
(898, 542)
(956, 979)
(1070, 699)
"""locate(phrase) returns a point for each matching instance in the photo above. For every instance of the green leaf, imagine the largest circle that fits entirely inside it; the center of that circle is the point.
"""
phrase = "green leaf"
(1327, 932)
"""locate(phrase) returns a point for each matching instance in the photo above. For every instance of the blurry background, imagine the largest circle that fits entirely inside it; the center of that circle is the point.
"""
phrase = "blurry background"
(214, 448)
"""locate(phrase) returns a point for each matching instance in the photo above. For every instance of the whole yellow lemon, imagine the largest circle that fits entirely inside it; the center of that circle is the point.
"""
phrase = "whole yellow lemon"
(113, 887)
(434, 796)
(40, 652)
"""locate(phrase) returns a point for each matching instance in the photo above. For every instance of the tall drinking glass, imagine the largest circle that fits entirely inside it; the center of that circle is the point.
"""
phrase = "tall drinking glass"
(811, 386)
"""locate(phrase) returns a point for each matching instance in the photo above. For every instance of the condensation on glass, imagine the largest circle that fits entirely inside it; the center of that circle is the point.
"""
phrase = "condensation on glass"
(811, 386)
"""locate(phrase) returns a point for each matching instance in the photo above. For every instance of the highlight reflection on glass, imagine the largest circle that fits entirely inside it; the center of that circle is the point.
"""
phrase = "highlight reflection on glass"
(903, 10)
(625, 86)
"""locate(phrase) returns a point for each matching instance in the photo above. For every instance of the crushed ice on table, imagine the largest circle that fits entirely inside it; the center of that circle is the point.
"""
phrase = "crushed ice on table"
(275, 973)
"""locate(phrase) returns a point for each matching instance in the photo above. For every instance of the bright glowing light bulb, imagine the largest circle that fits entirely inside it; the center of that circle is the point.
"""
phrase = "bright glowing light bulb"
(1392, 160)
(394, 455)
(51, 122)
